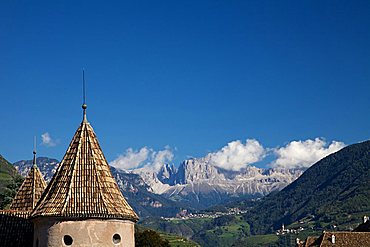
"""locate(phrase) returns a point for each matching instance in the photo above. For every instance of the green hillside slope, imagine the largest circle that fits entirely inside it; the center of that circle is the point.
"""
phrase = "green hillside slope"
(10, 181)
(335, 190)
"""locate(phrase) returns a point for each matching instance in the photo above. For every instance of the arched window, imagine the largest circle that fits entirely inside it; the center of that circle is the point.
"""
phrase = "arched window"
(116, 238)
(67, 240)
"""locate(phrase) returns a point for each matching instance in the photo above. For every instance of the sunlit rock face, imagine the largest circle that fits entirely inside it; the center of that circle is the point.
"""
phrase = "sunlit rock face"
(201, 184)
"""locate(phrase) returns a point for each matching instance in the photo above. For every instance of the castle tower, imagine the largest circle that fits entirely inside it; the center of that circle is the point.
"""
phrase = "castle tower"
(30, 191)
(82, 205)
(16, 230)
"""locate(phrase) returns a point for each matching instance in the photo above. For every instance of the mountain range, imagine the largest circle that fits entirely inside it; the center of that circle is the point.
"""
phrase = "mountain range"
(199, 183)
(195, 184)
(46, 165)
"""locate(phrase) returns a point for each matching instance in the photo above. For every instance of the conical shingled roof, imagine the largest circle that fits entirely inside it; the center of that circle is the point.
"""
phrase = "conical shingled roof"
(83, 186)
(30, 191)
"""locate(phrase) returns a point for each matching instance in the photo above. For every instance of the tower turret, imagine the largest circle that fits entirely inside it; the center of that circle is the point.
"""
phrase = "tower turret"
(15, 227)
(31, 189)
(82, 205)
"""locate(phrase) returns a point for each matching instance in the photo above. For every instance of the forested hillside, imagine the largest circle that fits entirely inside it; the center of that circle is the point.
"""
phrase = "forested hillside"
(335, 190)
(10, 181)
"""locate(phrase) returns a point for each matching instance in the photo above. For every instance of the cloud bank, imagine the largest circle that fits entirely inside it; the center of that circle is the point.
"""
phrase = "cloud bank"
(237, 155)
(132, 159)
(303, 154)
(47, 140)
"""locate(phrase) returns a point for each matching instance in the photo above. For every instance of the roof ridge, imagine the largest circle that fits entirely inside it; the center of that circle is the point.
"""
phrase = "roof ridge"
(33, 188)
(73, 172)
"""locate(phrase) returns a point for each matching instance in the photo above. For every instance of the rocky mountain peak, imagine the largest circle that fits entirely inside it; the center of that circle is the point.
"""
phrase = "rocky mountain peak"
(166, 174)
(200, 183)
(196, 170)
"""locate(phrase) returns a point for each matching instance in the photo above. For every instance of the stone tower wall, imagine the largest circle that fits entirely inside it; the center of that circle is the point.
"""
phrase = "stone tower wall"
(88, 233)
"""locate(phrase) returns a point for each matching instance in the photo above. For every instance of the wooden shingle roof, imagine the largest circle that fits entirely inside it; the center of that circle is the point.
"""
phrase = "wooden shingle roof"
(311, 241)
(345, 239)
(15, 228)
(30, 191)
(83, 186)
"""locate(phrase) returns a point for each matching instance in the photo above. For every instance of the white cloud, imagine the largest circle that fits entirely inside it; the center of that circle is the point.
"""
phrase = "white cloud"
(237, 155)
(161, 157)
(132, 159)
(47, 140)
(303, 154)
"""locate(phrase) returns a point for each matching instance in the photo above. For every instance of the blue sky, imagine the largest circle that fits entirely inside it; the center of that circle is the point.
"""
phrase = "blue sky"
(191, 75)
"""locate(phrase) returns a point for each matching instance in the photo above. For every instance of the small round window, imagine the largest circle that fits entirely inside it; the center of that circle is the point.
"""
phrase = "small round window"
(116, 238)
(67, 240)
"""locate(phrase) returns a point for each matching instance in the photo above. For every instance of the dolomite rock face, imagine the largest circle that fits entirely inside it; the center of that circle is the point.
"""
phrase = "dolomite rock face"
(200, 184)
(86, 233)
(166, 174)
(197, 170)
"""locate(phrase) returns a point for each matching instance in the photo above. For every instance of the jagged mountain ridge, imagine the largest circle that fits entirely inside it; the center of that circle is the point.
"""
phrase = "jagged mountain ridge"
(196, 183)
(199, 183)
(144, 202)
(46, 165)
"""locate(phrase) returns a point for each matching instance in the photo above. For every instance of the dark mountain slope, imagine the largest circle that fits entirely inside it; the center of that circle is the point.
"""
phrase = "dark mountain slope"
(9, 182)
(144, 202)
(335, 190)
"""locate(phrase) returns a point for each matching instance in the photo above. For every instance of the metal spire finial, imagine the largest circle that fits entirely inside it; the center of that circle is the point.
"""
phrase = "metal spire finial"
(34, 152)
(84, 106)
